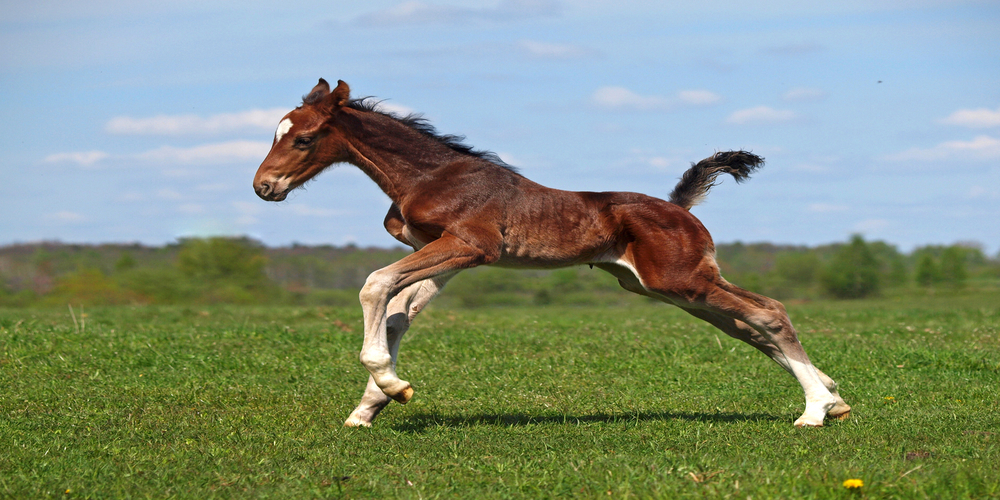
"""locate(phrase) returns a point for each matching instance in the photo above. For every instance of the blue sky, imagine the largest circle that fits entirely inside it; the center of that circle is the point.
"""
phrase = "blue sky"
(145, 121)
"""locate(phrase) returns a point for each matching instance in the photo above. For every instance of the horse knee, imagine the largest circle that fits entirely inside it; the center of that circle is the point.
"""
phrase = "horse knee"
(376, 288)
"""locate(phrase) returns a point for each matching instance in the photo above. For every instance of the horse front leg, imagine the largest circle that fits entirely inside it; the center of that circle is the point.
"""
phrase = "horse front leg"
(400, 312)
(444, 256)
(381, 343)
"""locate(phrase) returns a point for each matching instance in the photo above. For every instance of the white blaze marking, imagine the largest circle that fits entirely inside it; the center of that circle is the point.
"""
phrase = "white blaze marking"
(283, 129)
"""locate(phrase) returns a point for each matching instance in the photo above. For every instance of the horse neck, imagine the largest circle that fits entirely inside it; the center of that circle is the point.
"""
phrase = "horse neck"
(391, 153)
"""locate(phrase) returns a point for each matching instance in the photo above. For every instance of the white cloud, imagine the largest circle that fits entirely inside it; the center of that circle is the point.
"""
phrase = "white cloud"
(623, 99)
(803, 94)
(169, 194)
(223, 152)
(761, 115)
(698, 97)
(827, 208)
(83, 158)
(510, 159)
(232, 151)
(980, 192)
(67, 217)
(545, 50)
(260, 119)
(132, 196)
(660, 162)
(640, 160)
(396, 109)
(974, 118)
(982, 147)
(416, 12)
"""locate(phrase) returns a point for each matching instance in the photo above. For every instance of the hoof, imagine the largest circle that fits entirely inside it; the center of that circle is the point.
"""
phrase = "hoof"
(804, 422)
(353, 421)
(840, 411)
(842, 416)
(404, 395)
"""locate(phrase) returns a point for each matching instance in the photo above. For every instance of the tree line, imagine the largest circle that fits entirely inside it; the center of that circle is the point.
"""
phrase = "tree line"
(243, 271)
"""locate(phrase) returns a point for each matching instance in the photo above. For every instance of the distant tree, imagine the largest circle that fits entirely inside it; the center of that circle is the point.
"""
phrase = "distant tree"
(752, 282)
(892, 264)
(491, 286)
(226, 269)
(125, 262)
(854, 271)
(927, 272)
(798, 268)
(953, 266)
(91, 287)
(564, 280)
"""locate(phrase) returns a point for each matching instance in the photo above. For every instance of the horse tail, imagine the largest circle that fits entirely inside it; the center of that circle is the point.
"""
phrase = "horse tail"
(699, 179)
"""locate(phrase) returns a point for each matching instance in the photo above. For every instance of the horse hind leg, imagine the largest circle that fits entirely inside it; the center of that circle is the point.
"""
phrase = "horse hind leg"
(702, 288)
(769, 317)
(742, 331)
(400, 312)
(738, 312)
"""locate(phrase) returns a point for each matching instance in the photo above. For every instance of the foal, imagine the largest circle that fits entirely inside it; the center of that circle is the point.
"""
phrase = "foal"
(460, 208)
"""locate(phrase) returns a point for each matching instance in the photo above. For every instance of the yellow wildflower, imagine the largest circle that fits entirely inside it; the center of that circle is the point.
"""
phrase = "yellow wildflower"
(853, 483)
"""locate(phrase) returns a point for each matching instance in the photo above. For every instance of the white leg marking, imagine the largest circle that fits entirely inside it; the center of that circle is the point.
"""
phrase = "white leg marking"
(408, 302)
(375, 354)
(819, 400)
(283, 129)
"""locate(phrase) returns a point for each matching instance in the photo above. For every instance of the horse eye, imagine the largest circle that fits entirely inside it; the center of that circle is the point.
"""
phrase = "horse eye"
(303, 142)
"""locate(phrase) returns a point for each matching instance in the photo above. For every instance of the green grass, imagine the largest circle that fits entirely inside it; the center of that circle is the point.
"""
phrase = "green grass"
(639, 401)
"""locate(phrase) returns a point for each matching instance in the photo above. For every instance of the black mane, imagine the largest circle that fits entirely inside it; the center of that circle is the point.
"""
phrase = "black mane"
(417, 122)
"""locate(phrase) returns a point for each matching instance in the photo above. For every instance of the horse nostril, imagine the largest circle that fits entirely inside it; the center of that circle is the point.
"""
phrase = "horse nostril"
(264, 189)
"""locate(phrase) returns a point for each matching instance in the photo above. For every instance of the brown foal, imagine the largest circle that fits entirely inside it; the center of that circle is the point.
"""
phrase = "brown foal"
(460, 208)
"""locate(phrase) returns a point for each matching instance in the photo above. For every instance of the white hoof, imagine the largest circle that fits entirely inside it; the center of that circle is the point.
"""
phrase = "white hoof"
(355, 421)
(803, 421)
(815, 413)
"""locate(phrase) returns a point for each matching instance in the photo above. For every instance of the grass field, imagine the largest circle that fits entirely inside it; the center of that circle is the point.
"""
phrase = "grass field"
(554, 402)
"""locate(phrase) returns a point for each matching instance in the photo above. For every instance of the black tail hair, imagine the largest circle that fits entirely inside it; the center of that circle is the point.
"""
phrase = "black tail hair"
(699, 179)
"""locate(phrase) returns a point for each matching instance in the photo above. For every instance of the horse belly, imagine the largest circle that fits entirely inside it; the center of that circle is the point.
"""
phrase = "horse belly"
(553, 228)
(556, 248)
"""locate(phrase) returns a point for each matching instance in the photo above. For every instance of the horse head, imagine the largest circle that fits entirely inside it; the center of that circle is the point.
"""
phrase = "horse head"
(307, 141)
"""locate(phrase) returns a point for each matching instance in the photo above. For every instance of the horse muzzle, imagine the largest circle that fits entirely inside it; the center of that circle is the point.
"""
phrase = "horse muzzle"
(271, 191)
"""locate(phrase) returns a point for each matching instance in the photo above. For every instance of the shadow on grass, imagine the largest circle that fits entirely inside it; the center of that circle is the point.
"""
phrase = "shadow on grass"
(420, 422)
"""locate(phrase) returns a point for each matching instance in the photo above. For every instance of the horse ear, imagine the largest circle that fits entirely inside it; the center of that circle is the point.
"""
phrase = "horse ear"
(321, 90)
(341, 94)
